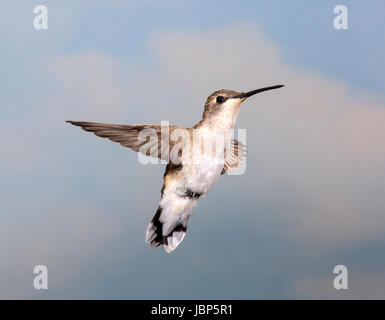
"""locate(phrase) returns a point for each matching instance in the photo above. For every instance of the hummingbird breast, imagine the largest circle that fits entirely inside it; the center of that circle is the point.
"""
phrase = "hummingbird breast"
(203, 166)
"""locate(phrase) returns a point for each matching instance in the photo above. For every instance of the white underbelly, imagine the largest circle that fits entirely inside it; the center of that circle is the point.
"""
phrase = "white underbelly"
(202, 175)
(202, 166)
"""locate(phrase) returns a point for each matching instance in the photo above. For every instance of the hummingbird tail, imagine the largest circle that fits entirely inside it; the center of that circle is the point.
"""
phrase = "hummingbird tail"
(167, 228)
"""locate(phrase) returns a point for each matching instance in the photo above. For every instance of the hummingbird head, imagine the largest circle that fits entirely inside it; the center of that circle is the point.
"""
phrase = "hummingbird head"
(224, 105)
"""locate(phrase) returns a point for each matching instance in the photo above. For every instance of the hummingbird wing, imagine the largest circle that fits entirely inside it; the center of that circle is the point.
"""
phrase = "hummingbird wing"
(235, 155)
(144, 138)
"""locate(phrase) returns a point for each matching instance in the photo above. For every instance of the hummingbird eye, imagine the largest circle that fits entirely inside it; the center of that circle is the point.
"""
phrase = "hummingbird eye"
(221, 99)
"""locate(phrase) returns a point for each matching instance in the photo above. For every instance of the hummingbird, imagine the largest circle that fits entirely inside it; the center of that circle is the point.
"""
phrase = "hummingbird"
(184, 181)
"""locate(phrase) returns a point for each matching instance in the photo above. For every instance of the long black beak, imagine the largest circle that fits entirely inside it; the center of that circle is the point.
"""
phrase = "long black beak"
(245, 95)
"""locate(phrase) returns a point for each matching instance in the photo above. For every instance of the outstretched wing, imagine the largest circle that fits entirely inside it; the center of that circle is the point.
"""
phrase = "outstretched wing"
(144, 138)
(235, 156)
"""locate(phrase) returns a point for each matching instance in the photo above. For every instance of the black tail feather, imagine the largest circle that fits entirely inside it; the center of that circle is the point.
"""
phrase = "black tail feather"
(155, 237)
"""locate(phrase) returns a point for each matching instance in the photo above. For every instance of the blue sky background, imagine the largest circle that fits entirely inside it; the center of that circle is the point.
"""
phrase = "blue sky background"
(313, 193)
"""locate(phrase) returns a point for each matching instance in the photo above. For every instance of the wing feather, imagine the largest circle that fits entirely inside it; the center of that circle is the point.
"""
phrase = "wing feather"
(144, 138)
(235, 156)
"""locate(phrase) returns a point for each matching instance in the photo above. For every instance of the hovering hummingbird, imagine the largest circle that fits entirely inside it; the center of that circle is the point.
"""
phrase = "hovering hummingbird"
(184, 181)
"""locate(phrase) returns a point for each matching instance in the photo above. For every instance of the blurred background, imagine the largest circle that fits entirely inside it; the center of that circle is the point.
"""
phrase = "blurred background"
(312, 196)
